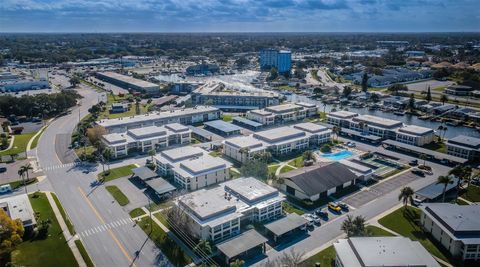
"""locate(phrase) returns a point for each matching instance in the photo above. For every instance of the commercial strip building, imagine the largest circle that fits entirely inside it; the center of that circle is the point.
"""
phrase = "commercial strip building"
(467, 147)
(147, 138)
(191, 167)
(128, 82)
(216, 94)
(365, 126)
(10, 82)
(273, 58)
(184, 116)
(283, 113)
(281, 140)
(217, 213)
(455, 227)
(19, 207)
(382, 251)
(318, 181)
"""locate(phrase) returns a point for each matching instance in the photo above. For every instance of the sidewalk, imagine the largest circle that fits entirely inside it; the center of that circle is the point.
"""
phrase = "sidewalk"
(70, 239)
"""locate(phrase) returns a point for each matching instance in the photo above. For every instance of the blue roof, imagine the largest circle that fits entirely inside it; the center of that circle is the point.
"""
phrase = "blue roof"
(223, 126)
(435, 190)
(247, 122)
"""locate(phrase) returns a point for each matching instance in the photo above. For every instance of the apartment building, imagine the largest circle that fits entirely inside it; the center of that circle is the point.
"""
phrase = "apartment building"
(415, 135)
(147, 138)
(341, 118)
(273, 58)
(455, 227)
(467, 147)
(218, 95)
(184, 116)
(217, 213)
(191, 167)
(283, 113)
(281, 140)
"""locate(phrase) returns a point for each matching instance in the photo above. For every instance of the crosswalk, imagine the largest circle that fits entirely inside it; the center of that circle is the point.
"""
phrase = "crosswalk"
(105, 227)
(61, 166)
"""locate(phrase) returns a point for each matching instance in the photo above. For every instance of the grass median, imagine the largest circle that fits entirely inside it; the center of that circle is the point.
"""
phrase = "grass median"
(84, 253)
(117, 194)
(116, 173)
(69, 224)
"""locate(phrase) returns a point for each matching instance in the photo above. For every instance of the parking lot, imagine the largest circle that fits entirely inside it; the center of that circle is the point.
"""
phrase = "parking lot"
(370, 193)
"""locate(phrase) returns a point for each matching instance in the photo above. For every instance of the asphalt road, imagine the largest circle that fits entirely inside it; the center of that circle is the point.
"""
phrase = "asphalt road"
(383, 197)
(112, 239)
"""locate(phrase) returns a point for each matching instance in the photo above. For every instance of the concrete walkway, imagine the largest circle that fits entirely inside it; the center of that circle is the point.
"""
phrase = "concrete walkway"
(70, 239)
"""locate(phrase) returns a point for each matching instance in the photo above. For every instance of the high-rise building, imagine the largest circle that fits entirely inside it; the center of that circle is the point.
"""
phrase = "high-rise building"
(280, 59)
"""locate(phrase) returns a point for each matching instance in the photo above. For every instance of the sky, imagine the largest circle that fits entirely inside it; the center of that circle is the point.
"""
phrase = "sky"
(239, 15)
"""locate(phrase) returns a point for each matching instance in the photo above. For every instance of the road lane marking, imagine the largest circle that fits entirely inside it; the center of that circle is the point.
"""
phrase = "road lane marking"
(122, 248)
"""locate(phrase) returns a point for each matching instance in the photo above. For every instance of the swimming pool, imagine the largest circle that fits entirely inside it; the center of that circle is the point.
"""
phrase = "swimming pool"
(338, 156)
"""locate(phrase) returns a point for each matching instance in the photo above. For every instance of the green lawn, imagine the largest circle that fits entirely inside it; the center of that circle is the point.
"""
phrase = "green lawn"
(116, 173)
(289, 208)
(460, 202)
(19, 144)
(84, 253)
(286, 88)
(117, 195)
(394, 171)
(69, 224)
(215, 154)
(50, 251)
(227, 117)
(35, 141)
(173, 252)
(439, 89)
(286, 168)
(472, 194)
(297, 162)
(377, 231)
(129, 113)
(234, 174)
(19, 183)
(136, 212)
(436, 146)
(89, 150)
(273, 168)
(406, 223)
(376, 89)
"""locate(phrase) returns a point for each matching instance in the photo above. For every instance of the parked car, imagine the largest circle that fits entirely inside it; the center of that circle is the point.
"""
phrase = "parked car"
(334, 207)
(322, 214)
(3, 169)
(413, 162)
(343, 206)
(310, 222)
(315, 219)
(5, 188)
(418, 172)
(351, 144)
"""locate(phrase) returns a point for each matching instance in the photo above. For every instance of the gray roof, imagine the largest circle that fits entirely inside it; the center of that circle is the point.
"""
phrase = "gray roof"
(290, 222)
(128, 79)
(421, 150)
(435, 190)
(247, 122)
(310, 127)
(383, 251)
(320, 178)
(241, 243)
(144, 173)
(415, 130)
(223, 126)
(360, 134)
(467, 141)
(279, 134)
(460, 220)
(160, 185)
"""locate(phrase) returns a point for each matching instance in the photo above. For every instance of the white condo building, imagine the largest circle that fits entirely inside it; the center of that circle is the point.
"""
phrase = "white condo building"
(217, 213)
(283, 113)
(191, 167)
(147, 138)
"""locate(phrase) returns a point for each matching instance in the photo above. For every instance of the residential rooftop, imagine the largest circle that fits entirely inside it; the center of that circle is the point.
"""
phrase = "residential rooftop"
(223, 126)
(342, 114)
(378, 121)
(460, 220)
(415, 130)
(466, 141)
(310, 127)
(145, 133)
(19, 207)
(279, 134)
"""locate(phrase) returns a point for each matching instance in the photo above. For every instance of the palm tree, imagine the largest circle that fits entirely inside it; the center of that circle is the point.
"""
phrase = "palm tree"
(107, 155)
(152, 153)
(26, 168)
(445, 129)
(203, 247)
(354, 226)
(445, 180)
(308, 155)
(406, 196)
(443, 99)
(21, 173)
(424, 158)
(237, 263)
(337, 130)
(440, 130)
(463, 173)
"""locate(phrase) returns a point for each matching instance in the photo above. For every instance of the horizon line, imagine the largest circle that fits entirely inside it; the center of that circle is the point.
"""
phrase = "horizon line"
(223, 32)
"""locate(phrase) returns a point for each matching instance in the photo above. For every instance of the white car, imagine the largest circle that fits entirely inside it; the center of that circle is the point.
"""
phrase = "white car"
(310, 221)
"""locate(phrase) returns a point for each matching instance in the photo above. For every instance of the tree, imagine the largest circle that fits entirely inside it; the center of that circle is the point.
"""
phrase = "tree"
(440, 130)
(411, 102)
(273, 74)
(107, 155)
(443, 99)
(463, 173)
(95, 134)
(326, 148)
(445, 129)
(74, 81)
(445, 180)
(395, 88)
(11, 233)
(237, 263)
(354, 226)
(406, 196)
(255, 168)
(374, 97)
(424, 158)
(22, 171)
(291, 259)
(152, 152)
(203, 248)
(337, 130)
(428, 97)
(137, 106)
(308, 155)
(365, 82)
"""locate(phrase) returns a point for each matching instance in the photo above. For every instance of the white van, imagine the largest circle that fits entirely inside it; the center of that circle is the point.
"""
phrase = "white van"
(5, 188)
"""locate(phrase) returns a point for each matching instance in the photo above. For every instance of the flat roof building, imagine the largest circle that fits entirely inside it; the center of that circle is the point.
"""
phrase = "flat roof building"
(184, 116)
(222, 128)
(229, 99)
(191, 167)
(455, 227)
(415, 135)
(283, 113)
(19, 207)
(217, 213)
(147, 138)
(467, 147)
(382, 251)
(128, 82)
